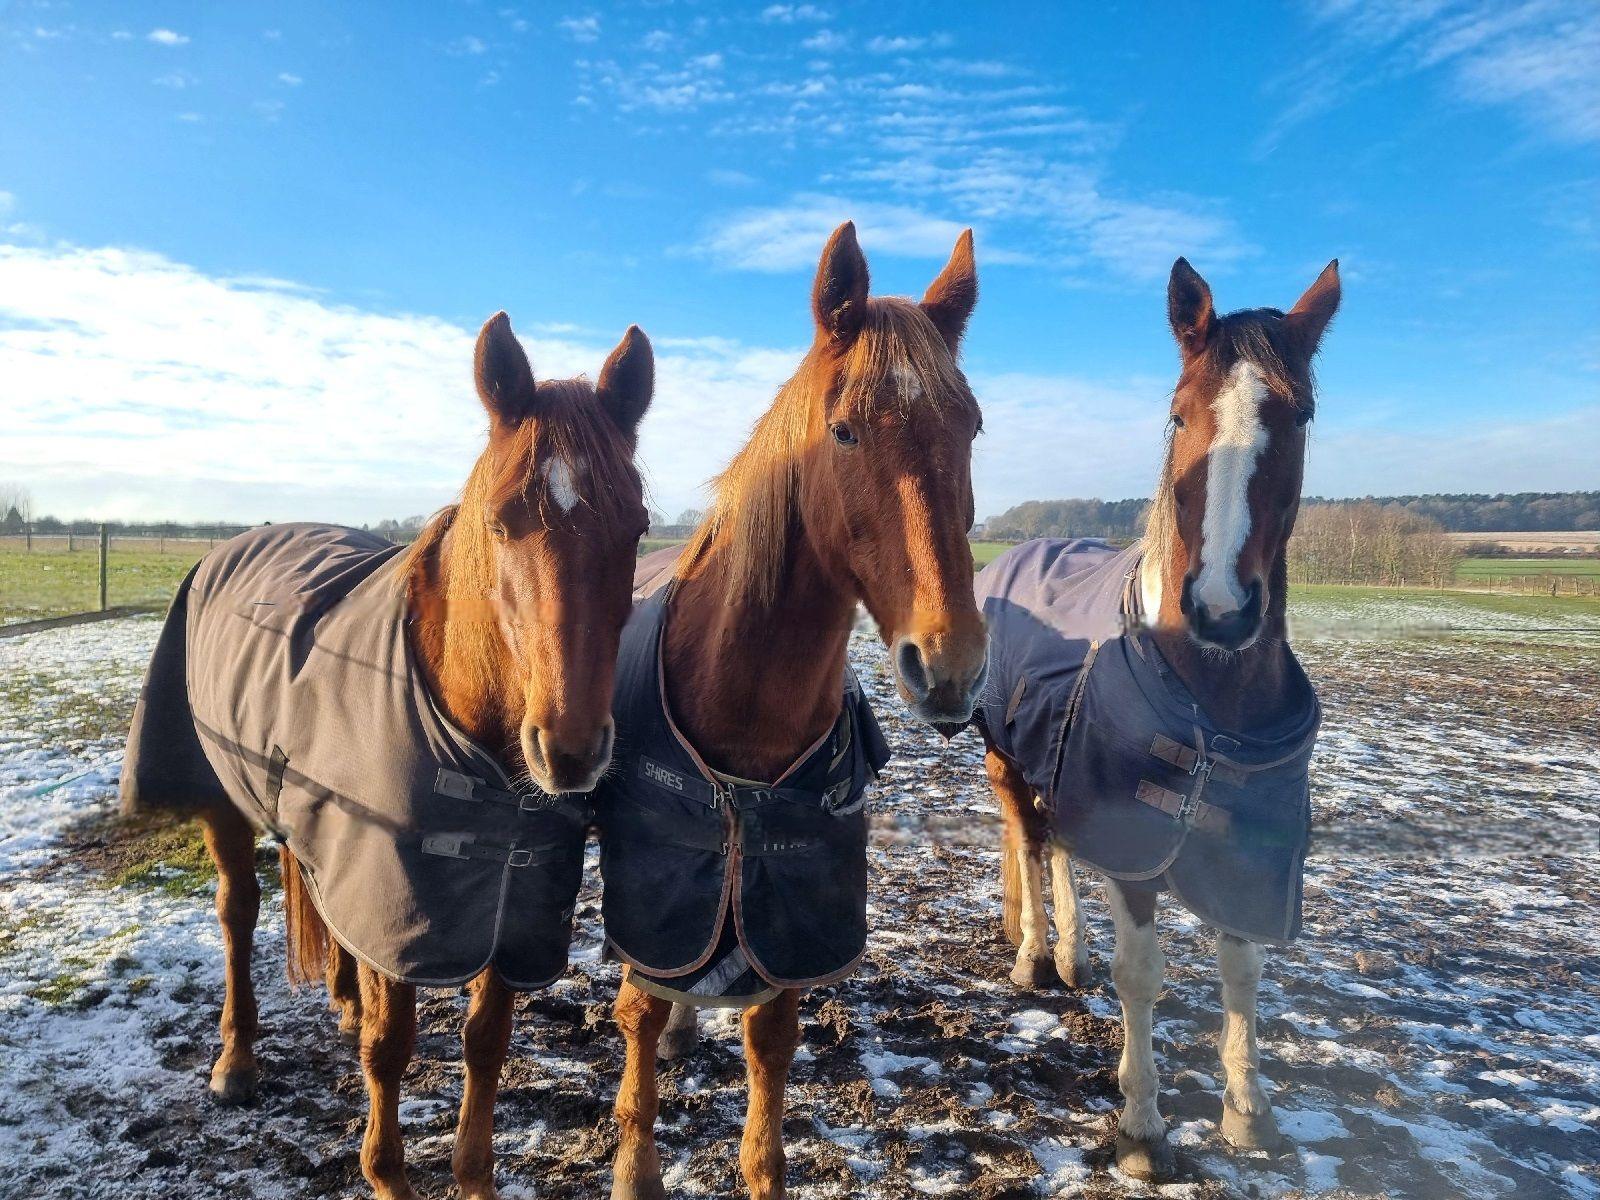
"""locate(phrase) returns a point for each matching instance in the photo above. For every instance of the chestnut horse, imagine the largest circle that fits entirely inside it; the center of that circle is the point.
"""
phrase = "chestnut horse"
(855, 487)
(517, 596)
(1213, 583)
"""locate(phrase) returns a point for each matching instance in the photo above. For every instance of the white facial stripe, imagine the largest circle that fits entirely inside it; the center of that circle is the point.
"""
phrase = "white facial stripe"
(562, 479)
(1237, 446)
(909, 383)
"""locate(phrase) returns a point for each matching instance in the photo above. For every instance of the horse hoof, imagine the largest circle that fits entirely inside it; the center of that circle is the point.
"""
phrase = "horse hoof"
(350, 1036)
(234, 1087)
(1077, 974)
(676, 1042)
(1150, 1161)
(1033, 973)
(1250, 1132)
(637, 1189)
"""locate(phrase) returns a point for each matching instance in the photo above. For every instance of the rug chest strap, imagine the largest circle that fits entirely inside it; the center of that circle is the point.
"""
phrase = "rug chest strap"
(467, 846)
(477, 791)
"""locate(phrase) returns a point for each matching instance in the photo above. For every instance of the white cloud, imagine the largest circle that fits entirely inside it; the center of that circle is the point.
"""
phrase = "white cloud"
(580, 29)
(790, 237)
(288, 80)
(137, 386)
(177, 80)
(790, 14)
(1537, 57)
(825, 41)
(468, 45)
(166, 37)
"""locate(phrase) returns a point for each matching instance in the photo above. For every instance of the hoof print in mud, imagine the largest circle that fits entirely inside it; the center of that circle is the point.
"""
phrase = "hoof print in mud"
(1151, 1161)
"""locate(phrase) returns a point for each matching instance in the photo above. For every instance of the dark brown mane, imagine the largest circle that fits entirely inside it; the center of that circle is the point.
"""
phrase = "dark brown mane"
(755, 494)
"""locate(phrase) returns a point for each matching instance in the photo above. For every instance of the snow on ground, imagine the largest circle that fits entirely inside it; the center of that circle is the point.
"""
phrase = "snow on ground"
(1458, 797)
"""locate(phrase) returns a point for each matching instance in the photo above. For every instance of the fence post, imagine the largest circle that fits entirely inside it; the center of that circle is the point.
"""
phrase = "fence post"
(105, 553)
(28, 529)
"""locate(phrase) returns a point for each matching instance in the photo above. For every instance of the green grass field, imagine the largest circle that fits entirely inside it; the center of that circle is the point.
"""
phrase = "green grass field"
(54, 583)
(1489, 567)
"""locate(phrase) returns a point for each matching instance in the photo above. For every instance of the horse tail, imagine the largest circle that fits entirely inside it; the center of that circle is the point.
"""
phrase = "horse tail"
(304, 932)
(1011, 886)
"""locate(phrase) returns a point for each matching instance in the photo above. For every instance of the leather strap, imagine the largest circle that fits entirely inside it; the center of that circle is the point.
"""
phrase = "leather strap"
(477, 791)
(467, 846)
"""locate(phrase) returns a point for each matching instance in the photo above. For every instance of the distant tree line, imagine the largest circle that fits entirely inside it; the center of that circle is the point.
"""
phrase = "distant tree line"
(1464, 513)
(1387, 545)
(1068, 518)
(1531, 512)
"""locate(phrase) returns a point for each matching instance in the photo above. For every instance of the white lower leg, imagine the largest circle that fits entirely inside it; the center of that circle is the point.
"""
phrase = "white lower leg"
(1239, 963)
(1136, 970)
(1035, 944)
(1072, 945)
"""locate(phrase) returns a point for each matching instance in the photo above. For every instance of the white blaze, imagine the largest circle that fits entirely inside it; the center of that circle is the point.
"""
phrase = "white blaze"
(1238, 444)
(908, 381)
(562, 480)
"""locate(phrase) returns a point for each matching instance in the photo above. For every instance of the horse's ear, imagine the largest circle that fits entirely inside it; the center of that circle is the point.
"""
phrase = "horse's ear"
(950, 298)
(1189, 309)
(628, 380)
(504, 378)
(839, 297)
(1309, 317)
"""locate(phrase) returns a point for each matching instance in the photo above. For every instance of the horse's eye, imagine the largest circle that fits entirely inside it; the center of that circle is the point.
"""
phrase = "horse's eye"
(1302, 417)
(843, 434)
(499, 532)
(1177, 421)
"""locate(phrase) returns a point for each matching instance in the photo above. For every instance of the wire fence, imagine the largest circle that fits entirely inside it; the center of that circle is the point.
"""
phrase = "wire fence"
(64, 574)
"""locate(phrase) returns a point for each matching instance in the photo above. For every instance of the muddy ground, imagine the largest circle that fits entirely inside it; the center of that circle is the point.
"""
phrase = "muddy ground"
(1458, 796)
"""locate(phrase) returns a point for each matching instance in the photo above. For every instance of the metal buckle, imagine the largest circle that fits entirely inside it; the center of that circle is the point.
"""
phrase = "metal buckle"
(519, 858)
(457, 786)
(447, 845)
(726, 793)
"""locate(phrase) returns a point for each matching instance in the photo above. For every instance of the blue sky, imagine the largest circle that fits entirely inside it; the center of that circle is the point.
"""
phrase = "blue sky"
(243, 248)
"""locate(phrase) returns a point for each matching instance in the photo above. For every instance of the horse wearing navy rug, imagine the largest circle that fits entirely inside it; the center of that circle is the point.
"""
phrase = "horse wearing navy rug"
(1145, 713)
(733, 827)
(418, 729)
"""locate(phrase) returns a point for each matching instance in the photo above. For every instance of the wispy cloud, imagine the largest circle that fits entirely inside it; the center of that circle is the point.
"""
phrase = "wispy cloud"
(1537, 56)
(288, 80)
(467, 45)
(176, 80)
(167, 37)
(580, 29)
(790, 236)
(790, 14)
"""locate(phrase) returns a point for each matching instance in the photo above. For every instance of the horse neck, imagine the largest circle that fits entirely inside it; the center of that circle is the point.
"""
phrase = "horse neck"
(753, 684)
(1245, 690)
(450, 657)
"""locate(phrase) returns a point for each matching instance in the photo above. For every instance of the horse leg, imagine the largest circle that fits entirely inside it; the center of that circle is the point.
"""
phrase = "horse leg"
(683, 1029)
(344, 991)
(388, 1035)
(1072, 943)
(232, 845)
(1136, 967)
(1022, 871)
(771, 1033)
(636, 1173)
(484, 1041)
(1247, 1119)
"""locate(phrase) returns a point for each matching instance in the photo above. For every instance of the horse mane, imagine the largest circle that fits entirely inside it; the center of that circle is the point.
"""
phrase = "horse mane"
(756, 496)
(1249, 335)
(568, 423)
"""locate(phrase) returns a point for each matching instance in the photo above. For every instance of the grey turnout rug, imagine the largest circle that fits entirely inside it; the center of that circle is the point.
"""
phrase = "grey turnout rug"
(283, 683)
(1139, 782)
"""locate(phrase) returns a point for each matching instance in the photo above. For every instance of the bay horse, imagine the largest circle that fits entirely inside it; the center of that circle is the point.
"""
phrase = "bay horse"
(1207, 590)
(854, 487)
(507, 613)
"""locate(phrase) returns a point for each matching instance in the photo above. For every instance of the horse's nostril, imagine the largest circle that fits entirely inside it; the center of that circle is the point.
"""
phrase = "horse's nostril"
(912, 667)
